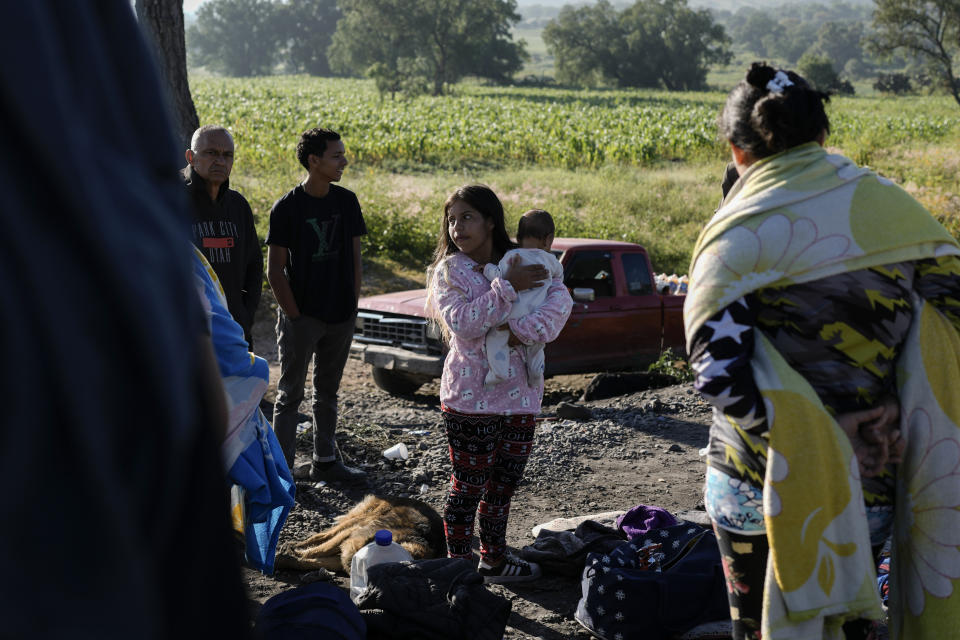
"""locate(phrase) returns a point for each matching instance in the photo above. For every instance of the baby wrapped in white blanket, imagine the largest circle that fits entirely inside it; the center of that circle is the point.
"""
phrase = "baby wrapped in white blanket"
(528, 301)
(535, 237)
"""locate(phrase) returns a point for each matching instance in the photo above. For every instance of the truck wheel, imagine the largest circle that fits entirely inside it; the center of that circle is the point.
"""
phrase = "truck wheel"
(396, 382)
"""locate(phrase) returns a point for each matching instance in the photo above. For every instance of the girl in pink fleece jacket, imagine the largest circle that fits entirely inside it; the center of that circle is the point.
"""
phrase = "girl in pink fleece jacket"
(490, 430)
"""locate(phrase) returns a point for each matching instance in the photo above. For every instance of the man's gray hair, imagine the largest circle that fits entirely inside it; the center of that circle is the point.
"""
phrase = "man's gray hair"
(207, 128)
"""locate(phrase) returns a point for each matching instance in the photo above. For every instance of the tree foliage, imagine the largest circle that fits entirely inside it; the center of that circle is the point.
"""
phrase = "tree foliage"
(797, 39)
(373, 39)
(653, 43)
(819, 71)
(305, 29)
(235, 37)
(253, 37)
(839, 41)
(414, 45)
(761, 30)
(897, 84)
(788, 31)
(929, 29)
(587, 43)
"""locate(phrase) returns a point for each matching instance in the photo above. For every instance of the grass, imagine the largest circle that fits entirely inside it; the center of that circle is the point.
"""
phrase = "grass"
(662, 208)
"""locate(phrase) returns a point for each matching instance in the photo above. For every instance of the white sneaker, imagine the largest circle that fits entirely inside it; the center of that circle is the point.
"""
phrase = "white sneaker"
(513, 569)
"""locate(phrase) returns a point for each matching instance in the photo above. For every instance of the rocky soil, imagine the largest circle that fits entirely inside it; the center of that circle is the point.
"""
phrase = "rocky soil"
(637, 448)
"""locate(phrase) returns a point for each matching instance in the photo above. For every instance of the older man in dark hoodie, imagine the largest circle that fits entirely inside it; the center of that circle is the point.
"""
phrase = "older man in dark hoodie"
(223, 223)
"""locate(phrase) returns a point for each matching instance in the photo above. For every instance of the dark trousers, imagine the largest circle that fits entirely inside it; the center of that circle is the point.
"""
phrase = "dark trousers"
(489, 453)
(745, 567)
(329, 346)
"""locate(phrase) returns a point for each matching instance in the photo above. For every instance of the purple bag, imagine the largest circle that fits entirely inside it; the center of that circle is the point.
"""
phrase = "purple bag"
(642, 518)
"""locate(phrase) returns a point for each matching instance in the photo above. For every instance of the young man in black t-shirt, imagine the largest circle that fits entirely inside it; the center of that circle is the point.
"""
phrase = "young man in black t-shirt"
(313, 266)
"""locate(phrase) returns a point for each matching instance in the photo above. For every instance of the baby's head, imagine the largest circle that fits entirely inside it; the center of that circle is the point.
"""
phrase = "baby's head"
(535, 230)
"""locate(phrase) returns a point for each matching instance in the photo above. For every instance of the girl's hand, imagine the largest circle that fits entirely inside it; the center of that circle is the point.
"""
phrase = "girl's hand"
(524, 277)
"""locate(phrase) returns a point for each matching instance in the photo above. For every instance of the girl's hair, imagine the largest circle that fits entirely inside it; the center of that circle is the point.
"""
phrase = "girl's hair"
(485, 201)
(765, 115)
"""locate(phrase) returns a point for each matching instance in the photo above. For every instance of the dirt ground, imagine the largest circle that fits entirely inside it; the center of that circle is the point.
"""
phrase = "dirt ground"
(638, 448)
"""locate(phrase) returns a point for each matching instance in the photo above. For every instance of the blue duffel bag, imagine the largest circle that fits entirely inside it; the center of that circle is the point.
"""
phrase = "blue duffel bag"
(316, 610)
(655, 586)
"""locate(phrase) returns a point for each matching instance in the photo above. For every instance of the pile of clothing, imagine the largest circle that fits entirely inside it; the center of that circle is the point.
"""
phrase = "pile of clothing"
(649, 575)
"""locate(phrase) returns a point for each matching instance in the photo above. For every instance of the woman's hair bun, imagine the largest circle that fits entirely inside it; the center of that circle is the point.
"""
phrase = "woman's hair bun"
(759, 74)
(765, 117)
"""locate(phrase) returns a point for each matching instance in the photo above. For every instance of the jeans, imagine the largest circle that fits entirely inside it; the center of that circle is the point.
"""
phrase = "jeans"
(329, 345)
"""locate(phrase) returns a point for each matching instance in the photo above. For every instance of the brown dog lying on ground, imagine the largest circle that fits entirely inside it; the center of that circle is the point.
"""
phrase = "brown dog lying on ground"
(415, 525)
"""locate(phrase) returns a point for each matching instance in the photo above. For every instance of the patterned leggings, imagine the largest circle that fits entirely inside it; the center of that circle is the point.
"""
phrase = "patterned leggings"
(488, 453)
(745, 565)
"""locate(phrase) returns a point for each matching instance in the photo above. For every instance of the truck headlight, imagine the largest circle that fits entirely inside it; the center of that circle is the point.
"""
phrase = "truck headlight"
(433, 330)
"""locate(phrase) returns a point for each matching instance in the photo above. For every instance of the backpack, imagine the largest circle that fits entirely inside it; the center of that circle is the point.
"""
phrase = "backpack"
(316, 610)
(655, 586)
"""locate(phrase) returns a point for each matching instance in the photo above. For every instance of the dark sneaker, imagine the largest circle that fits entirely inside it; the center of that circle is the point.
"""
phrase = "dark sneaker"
(512, 569)
(334, 471)
(302, 471)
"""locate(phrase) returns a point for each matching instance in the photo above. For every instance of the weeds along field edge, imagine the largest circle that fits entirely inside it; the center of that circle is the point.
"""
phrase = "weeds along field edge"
(636, 165)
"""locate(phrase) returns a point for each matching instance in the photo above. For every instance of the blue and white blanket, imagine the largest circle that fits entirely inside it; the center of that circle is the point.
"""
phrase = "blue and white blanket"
(251, 452)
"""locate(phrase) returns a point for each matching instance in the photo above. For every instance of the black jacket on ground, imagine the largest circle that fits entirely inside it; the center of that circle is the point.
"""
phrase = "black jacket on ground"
(224, 231)
(441, 599)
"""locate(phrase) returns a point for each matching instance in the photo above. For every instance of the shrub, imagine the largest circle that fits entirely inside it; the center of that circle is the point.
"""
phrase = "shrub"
(672, 364)
(897, 84)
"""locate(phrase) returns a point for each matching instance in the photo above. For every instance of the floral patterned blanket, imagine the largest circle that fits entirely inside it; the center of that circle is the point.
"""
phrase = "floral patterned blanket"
(796, 217)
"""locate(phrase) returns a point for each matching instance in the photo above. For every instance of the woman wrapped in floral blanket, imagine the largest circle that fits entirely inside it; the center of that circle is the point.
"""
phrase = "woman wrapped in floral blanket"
(821, 323)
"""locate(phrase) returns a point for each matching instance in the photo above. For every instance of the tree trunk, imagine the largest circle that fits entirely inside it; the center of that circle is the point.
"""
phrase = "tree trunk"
(954, 89)
(440, 72)
(162, 22)
(947, 61)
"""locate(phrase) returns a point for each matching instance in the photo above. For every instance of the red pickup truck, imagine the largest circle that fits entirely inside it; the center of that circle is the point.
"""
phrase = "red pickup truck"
(619, 321)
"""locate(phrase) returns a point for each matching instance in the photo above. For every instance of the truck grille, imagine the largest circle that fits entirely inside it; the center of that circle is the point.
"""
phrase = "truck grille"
(395, 330)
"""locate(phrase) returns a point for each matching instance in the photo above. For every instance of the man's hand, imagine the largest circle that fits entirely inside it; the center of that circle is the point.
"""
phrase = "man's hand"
(884, 432)
(277, 259)
(875, 436)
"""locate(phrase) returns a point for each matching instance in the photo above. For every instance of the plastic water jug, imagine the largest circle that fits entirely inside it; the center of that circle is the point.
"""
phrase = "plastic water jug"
(382, 549)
